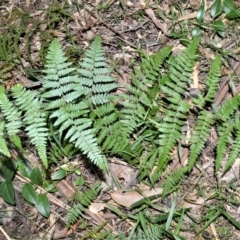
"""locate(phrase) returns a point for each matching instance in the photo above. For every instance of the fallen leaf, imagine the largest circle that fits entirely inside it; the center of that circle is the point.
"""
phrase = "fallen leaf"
(131, 199)
(96, 207)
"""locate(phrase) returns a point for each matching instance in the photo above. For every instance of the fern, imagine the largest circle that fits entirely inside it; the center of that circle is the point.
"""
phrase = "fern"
(211, 81)
(11, 113)
(235, 149)
(175, 86)
(34, 119)
(67, 97)
(84, 200)
(3, 145)
(225, 127)
(141, 98)
(173, 180)
(152, 232)
(199, 136)
(12, 116)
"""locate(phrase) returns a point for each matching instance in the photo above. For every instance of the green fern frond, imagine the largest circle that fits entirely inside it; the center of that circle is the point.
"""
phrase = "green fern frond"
(84, 200)
(34, 119)
(212, 80)
(71, 97)
(199, 136)
(169, 129)
(224, 136)
(140, 100)
(11, 114)
(235, 148)
(3, 145)
(60, 81)
(150, 71)
(95, 74)
(228, 108)
(148, 163)
(225, 127)
(79, 132)
(173, 180)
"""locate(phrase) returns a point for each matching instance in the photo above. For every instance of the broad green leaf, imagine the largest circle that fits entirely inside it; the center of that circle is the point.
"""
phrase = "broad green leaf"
(43, 205)
(7, 192)
(196, 32)
(216, 8)
(36, 177)
(235, 13)
(59, 174)
(79, 182)
(23, 167)
(219, 27)
(228, 6)
(49, 186)
(7, 170)
(29, 193)
(201, 13)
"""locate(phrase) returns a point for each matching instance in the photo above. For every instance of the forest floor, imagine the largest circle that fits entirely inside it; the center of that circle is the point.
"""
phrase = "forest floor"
(125, 26)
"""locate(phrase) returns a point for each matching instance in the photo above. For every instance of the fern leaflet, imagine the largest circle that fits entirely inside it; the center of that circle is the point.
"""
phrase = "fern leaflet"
(84, 200)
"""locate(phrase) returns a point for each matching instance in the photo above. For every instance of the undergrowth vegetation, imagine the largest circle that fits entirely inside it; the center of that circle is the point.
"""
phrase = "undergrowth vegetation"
(77, 109)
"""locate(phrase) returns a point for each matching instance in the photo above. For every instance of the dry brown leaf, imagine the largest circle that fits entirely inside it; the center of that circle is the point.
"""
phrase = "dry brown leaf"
(96, 207)
(128, 198)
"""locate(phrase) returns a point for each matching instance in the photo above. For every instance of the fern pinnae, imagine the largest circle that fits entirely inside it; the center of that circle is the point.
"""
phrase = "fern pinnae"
(176, 85)
(11, 114)
(228, 108)
(3, 144)
(224, 136)
(60, 79)
(199, 135)
(173, 180)
(211, 81)
(83, 201)
(34, 118)
(235, 148)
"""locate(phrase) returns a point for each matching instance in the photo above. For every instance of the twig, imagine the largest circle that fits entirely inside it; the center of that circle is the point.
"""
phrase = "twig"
(122, 37)
(5, 234)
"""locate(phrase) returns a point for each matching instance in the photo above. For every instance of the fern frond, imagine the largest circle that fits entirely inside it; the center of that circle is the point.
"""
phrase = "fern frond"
(11, 114)
(148, 163)
(60, 80)
(170, 131)
(211, 81)
(224, 136)
(84, 200)
(199, 136)
(79, 132)
(150, 71)
(173, 180)
(228, 108)
(34, 119)
(3, 145)
(140, 100)
(151, 232)
(235, 148)
(176, 85)
(94, 72)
